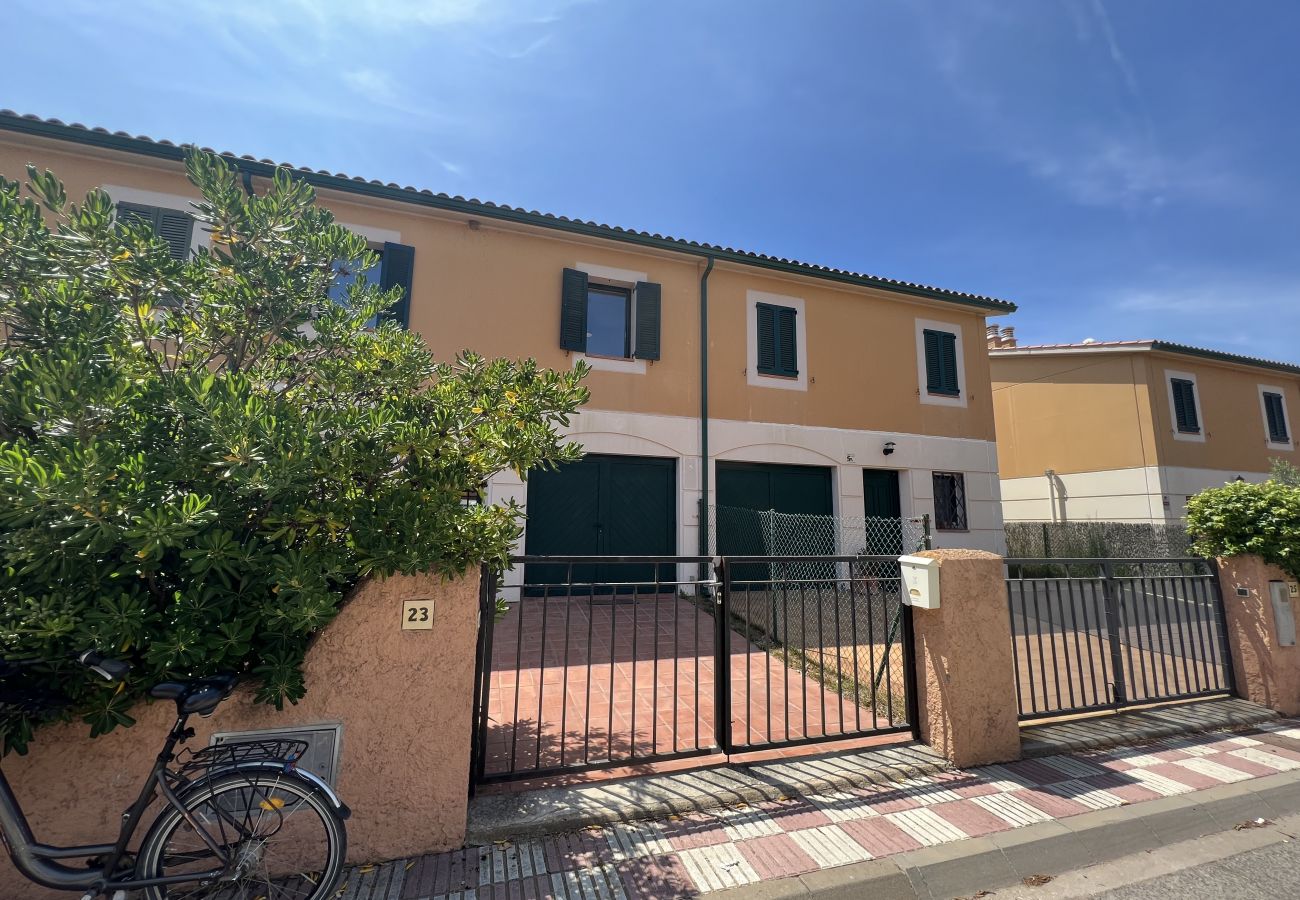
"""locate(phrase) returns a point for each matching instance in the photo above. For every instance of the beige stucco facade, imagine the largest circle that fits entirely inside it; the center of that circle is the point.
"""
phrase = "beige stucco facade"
(493, 284)
(1100, 419)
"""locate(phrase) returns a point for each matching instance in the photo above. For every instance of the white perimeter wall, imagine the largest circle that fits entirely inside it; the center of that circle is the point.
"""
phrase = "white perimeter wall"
(914, 456)
(1147, 494)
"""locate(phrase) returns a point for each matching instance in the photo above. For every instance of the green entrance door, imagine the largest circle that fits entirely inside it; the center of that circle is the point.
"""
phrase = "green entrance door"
(880, 491)
(746, 489)
(602, 506)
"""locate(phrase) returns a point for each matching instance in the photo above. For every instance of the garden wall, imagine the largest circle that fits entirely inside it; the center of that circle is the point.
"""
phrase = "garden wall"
(403, 698)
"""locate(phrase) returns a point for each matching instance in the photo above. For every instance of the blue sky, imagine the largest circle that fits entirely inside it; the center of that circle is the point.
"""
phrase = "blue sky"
(1119, 169)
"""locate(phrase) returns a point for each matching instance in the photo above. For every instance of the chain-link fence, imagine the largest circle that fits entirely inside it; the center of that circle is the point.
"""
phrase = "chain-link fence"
(734, 531)
(1097, 540)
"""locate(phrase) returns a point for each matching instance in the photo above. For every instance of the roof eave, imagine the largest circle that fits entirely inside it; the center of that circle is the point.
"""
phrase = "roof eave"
(175, 152)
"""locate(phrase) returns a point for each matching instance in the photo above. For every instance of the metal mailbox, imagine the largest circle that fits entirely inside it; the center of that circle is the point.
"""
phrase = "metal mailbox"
(920, 581)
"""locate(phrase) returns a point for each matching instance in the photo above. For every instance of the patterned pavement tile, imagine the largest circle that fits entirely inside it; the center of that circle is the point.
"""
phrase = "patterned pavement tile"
(830, 846)
(777, 856)
(972, 819)
(1085, 794)
(655, 878)
(715, 868)
(880, 836)
(927, 827)
(686, 855)
(1058, 806)
(747, 822)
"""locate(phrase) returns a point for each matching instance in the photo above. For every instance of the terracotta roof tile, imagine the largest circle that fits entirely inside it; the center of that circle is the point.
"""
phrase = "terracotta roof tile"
(11, 120)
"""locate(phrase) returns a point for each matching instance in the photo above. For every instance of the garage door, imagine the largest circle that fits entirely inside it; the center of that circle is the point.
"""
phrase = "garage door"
(602, 506)
(759, 487)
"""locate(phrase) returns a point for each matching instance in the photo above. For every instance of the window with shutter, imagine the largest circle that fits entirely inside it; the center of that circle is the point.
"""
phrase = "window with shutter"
(778, 352)
(941, 363)
(610, 318)
(646, 345)
(950, 501)
(394, 268)
(1184, 391)
(174, 226)
(1275, 414)
(397, 269)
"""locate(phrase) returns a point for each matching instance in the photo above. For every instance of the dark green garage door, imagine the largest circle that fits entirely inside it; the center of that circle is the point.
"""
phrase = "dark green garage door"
(602, 506)
(759, 487)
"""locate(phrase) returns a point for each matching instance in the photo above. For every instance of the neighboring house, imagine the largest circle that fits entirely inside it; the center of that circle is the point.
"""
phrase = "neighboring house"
(827, 391)
(1126, 431)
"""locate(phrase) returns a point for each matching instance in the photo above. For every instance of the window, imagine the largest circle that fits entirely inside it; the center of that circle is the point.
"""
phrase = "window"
(950, 501)
(777, 348)
(1275, 418)
(1185, 412)
(941, 363)
(610, 320)
(609, 314)
(395, 266)
(174, 226)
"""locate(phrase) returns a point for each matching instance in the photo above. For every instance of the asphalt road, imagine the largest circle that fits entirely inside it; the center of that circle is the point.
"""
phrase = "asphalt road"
(1263, 874)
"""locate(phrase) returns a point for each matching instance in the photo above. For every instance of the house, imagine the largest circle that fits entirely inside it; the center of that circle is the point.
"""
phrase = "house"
(816, 390)
(1126, 431)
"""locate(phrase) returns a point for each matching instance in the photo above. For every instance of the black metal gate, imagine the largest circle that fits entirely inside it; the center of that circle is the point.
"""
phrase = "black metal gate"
(599, 662)
(1091, 634)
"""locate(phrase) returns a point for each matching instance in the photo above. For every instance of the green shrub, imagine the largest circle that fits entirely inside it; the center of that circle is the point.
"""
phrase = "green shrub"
(200, 459)
(1240, 518)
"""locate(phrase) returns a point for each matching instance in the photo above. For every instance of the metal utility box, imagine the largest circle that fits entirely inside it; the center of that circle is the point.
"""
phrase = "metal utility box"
(1280, 592)
(321, 757)
(920, 581)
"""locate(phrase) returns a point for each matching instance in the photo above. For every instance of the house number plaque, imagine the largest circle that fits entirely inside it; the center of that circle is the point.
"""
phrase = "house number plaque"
(417, 615)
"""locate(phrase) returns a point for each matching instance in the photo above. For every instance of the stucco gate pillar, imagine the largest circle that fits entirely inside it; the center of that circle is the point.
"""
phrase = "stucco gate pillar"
(966, 688)
(1262, 632)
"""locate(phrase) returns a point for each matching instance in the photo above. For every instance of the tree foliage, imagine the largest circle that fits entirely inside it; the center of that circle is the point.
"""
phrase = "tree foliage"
(1244, 518)
(200, 459)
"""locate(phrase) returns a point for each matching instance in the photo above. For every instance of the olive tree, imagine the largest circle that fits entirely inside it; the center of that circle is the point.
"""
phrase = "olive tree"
(199, 459)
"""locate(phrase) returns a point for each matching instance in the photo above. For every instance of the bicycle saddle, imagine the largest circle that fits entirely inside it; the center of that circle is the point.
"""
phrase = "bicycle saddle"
(198, 695)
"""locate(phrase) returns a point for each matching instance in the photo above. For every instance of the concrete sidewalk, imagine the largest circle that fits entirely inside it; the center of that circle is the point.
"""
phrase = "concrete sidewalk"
(938, 835)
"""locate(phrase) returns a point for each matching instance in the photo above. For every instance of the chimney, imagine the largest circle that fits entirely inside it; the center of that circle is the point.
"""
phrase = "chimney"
(1009, 336)
(993, 336)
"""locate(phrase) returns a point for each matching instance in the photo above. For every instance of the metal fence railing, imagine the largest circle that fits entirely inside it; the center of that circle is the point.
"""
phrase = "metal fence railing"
(599, 662)
(593, 662)
(1098, 634)
(820, 649)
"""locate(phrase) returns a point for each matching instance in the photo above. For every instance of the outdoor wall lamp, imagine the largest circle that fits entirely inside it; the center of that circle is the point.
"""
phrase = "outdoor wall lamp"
(889, 447)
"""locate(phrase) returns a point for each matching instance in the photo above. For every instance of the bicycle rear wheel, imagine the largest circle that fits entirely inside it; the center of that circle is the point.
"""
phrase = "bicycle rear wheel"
(282, 832)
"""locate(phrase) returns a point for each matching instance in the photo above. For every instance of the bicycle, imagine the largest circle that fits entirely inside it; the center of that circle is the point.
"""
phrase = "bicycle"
(223, 808)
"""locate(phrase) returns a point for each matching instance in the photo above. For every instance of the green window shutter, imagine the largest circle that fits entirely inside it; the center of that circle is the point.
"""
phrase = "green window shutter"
(787, 347)
(174, 226)
(767, 357)
(132, 213)
(647, 320)
(941, 363)
(573, 311)
(1185, 406)
(778, 352)
(397, 269)
(1276, 414)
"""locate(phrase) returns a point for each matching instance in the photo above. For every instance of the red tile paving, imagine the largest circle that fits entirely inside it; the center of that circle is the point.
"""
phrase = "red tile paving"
(588, 680)
(776, 856)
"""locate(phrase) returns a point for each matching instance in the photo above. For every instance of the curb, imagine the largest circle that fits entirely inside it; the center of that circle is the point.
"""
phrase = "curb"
(497, 817)
(963, 868)
(1140, 726)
